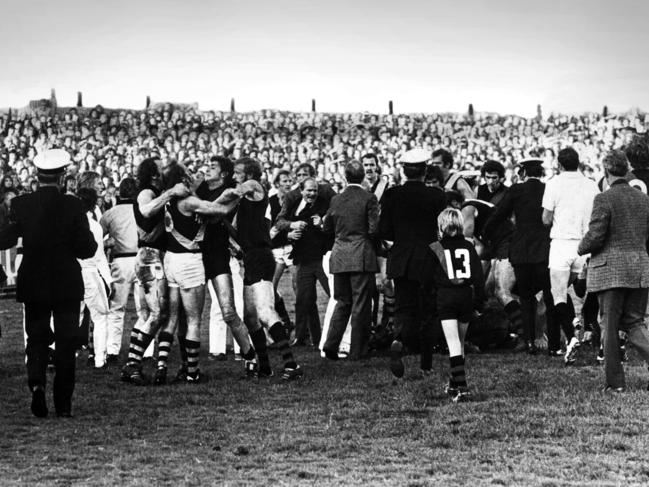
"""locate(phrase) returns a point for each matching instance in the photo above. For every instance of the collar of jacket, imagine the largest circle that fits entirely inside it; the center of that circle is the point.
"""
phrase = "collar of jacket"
(619, 181)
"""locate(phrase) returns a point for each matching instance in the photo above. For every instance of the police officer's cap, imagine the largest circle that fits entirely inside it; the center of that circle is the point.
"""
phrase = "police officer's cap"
(416, 156)
(530, 163)
(52, 161)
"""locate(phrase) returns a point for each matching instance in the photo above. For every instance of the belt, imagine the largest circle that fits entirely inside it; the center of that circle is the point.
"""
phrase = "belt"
(124, 254)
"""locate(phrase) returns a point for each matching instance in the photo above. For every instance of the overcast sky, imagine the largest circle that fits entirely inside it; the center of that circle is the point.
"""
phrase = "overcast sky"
(429, 56)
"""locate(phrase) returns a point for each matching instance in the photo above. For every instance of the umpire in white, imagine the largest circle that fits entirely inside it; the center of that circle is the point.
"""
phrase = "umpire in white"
(55, 234)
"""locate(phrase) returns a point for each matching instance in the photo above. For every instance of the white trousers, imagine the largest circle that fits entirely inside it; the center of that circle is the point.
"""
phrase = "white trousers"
(220, 335)
(96, 299)
(347, 337)
(122, 270)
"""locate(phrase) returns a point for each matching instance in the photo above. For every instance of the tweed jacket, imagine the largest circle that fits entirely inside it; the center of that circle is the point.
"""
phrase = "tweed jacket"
(353, 218)
(617, 239)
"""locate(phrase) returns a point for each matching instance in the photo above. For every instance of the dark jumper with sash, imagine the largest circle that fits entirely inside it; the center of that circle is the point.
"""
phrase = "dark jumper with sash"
(184, 233)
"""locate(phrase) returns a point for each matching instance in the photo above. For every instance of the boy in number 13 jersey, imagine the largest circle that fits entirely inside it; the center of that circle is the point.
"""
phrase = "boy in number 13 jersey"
(460, 291)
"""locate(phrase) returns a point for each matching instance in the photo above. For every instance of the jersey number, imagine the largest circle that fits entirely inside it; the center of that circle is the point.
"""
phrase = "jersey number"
(463, 258)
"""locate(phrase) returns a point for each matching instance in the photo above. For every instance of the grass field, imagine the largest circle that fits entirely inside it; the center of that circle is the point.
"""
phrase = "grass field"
(531, 422)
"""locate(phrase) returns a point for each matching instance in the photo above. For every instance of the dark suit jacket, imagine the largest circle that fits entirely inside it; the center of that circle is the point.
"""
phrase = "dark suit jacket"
(617, 239)
(313, 243)
(55, 234)
(530, 243)
(293, 198)
(409, 219)
(353, 218)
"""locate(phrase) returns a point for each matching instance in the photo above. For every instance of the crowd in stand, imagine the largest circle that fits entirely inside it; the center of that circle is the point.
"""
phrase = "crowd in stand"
(179, 170)
(113, 142)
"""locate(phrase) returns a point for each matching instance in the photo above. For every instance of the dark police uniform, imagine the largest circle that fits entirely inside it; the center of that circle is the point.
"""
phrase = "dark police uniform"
(409, 219)
(55, 234)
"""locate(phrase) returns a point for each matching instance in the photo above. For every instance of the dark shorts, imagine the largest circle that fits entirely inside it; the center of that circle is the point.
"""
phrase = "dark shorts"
(499, 250)
(216, 262)
(455, 303)
(258, 265)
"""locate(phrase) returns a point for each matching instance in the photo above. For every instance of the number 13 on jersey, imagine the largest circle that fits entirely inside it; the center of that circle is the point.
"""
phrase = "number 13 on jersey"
(458, 263)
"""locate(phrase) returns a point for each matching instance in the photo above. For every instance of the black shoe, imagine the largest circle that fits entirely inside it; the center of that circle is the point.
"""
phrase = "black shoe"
(64, 414)
(396, 363)
(196, 378)
(531, 348)
(181, 375)
(330, 355)
(219, 357)
(132, 373)
(160, 376)
(39, 404)
(261, 373)
(90, 361)
(112, 359)
(292, 373)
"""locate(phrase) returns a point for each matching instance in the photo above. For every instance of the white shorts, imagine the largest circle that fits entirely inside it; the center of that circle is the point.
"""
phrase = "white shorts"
(563, 256)
(281, 255)
(184, 270)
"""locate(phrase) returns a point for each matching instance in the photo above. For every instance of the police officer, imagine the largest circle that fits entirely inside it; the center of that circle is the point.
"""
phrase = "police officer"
(409, 219)
(55, 234)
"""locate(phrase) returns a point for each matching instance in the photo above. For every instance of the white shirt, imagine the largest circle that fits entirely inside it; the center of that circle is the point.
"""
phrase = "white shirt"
(570, 197)
(97, 261)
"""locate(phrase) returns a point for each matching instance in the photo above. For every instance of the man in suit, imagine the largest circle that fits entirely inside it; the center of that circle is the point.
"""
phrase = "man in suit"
(55, 234)
(619, 265)
(529, 248)
(353, 219)
(409, 219)
(303, 222)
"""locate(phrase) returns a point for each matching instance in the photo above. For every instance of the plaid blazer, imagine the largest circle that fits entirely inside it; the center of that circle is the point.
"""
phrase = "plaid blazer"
(617, 239)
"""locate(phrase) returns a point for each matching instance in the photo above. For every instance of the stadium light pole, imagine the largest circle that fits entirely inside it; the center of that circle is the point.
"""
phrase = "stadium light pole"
(232, 105)
(313, 105)
(79, 99)
(470, 109)
(148, 102)
(605, 111)
(390, 108)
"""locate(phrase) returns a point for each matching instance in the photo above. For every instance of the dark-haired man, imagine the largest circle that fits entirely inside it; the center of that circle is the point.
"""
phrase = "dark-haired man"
(409, 219)
(529, 248)
(151, 284)
(119, 224)
(253, 232)
(493, 248)
(452, 179)
(637, 152)
(216, 257)
(567, 205)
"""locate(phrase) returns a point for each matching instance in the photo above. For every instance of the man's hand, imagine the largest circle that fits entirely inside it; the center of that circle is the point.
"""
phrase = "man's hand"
(295, 235)
(180, 190)
(273, 232)
(317, 220)
(300, 225)
(230, 194)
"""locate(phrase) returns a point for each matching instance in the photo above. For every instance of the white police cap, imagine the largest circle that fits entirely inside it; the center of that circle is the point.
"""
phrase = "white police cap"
(416, 156)
(52, 160)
